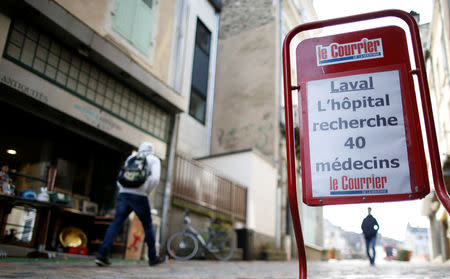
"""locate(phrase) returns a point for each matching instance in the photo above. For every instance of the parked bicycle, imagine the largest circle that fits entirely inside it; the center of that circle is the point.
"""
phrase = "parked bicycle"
(184, 245)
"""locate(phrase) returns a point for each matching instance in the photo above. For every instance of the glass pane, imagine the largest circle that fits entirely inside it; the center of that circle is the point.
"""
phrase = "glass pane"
(55, 48)
(20, 224)
(61, 78)
(72, 84)
(13, 51)
(202, 37)
(28, 52)
(101, 88)
(44, 41)
(83, 78)
(81, 89)
(197, 106)
(125, 100)
(53, 60)
(139, 110)
(123, 112)
(132, 99)
(103, 78)
(107, 104)
(73, 72)
(32, 34)
(94, 73)
(116, 108)
(63, 66)
(200, 71)
(76, 62)
(65, 55)
(92, 83)
(85, 67)
(130, 116)
(42, 53)
(117, 98)
(90, 94)
(99, 99)
(16, 38)
(109, 92)
(39, 65)
(50, 72)
(20, 25)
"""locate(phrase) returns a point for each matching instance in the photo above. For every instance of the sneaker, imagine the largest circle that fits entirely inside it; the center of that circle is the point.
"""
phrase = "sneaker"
(102, 261)
(158, 260)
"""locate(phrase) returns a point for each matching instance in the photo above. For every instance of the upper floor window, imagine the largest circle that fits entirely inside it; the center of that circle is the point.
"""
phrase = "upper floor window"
(133, 19)
(200, 71)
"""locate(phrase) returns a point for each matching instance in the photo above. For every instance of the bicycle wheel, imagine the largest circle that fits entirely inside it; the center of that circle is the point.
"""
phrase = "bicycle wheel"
(182, 246)
(221, 246)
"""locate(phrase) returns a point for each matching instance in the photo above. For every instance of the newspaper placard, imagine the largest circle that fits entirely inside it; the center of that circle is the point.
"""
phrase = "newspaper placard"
(357, 136)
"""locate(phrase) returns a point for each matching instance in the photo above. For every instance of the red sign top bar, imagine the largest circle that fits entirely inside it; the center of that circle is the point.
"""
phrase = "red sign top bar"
(350, 51)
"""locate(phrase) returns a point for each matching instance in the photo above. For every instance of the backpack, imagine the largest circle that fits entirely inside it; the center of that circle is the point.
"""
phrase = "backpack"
(134, 172)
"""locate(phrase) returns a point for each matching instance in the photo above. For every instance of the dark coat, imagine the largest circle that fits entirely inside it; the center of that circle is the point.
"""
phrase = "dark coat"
(369, 226)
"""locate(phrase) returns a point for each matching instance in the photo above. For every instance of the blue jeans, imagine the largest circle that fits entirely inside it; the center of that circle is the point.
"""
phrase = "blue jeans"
(370, 244)
(125, 204)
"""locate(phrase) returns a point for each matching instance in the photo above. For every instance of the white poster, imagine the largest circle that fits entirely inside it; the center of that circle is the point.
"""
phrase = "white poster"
(357, 136)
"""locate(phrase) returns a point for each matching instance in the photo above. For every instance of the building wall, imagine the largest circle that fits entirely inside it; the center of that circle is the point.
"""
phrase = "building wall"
(88, 25)
(244, 15)
(416, 240)
(249, 92)
(263, 191)
(438, 65)
(98, 16)
(438, 73)
(172, 57)
(246, 110)
(193, 136)
(251, 169)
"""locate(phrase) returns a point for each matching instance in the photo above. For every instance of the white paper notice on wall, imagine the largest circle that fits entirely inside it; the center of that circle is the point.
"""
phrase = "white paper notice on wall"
(356, 136)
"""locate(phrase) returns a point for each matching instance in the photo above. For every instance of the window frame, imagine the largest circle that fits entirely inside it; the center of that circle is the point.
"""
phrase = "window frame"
(194, 90)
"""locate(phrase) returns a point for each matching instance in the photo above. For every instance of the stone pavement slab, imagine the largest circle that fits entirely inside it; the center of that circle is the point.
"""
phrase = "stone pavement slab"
(86, 269)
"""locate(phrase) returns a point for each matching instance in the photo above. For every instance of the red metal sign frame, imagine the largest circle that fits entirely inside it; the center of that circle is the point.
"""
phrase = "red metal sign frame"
(394, 57)
(420, 72)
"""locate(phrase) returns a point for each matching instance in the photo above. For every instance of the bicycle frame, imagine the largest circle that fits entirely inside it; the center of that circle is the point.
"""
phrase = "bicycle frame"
(216, 242)
(188, 228)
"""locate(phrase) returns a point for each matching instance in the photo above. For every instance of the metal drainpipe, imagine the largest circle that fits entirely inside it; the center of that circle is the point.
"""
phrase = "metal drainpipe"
(168, 190)
(181, 15)
(213, 84)
(279, 43)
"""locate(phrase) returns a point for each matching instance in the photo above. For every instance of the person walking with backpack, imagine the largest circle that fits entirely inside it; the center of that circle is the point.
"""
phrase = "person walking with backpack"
(138, 177)
(370, 228)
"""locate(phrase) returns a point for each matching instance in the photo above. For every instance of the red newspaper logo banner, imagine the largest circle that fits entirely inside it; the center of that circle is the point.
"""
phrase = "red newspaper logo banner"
(354, 51)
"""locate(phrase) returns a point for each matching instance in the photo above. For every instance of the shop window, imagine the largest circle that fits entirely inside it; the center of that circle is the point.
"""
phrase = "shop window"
(20, 224)
(200, 73)
(133, 19)
(85, 169)
(44, 56)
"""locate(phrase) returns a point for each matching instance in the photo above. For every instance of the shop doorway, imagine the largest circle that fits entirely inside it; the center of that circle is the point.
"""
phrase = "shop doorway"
(86, 168)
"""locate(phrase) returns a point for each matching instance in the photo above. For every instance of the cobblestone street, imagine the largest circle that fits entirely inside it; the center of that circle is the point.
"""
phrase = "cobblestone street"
(356, 269)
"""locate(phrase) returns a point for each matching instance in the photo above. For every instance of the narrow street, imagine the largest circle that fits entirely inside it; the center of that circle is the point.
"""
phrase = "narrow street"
(351, 269)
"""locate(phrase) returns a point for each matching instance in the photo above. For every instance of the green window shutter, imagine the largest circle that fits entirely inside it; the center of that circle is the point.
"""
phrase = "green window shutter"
(123, 17)
(142, 27)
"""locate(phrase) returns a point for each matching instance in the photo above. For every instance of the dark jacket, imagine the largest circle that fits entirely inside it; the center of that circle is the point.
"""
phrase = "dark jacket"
(369, 226)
